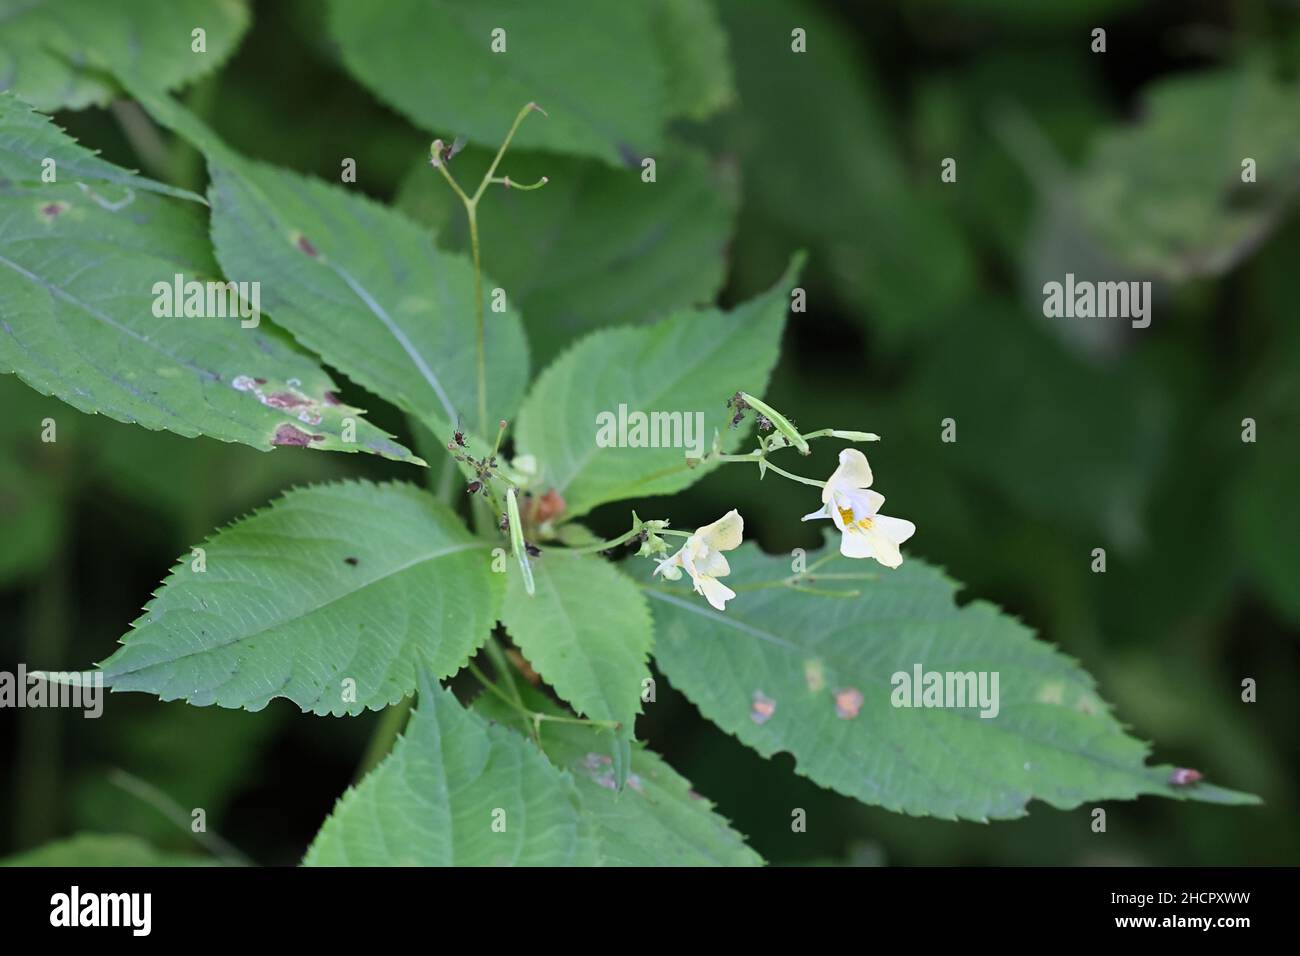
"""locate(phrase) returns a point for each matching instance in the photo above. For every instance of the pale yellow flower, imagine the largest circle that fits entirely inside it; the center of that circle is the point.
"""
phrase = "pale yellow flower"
(703, 560)
(865, 532)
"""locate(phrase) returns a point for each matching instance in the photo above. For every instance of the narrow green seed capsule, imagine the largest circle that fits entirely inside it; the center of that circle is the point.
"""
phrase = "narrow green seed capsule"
(854, 436)
(517, 541)
(781, 423)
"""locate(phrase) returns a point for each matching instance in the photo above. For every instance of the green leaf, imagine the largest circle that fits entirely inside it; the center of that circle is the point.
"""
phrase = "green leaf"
(689, 363)
(1059, 105)
(586, 631)
(454, 791)
(29, 138)
(826, 171)
(592, 67)
(693, 47)
(79, 261)
(1165, 196)
(657, 820)
(787, 670)
(359, 284)
(45, 45)
(334, 597)
(100, 850)
(596, 246)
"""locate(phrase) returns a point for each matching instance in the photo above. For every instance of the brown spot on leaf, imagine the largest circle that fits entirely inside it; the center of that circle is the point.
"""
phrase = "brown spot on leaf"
(848, 701)
(352, 561)
(287, 434)
(548, 506)
(286, 400)
(762, 708)
(52, 210)
(332, 398)
(600, 768)
(305, 245)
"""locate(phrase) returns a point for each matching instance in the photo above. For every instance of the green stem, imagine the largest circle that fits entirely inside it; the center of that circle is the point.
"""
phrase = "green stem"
(514, 704)
(536, 718)
(214, 843)
(606, 545)
(188, 165)
(757, 457)
(799, 478)
(511, 184)
(502, 666)
(391, 722)
(496, 160)
(530, 717)
(143, 136)
(480, 336)
(471, 212)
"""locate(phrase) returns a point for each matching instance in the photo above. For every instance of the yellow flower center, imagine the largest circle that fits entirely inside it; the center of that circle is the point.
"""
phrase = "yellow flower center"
(846, 516)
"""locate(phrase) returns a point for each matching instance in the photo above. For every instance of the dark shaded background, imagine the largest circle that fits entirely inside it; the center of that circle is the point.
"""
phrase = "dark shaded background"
(923, 305)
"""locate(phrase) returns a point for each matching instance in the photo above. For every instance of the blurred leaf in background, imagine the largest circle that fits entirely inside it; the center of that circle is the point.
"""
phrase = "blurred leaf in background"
(46, 44)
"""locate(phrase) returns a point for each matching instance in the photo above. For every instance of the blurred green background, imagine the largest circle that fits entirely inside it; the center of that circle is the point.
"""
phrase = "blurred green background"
(924, 303)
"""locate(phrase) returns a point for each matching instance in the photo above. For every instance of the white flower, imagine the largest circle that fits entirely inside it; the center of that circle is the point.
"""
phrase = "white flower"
(856, 512)
(703, 560)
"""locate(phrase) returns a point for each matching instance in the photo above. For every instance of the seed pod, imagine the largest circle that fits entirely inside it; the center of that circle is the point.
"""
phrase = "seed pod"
(517, 542)
(782, 424)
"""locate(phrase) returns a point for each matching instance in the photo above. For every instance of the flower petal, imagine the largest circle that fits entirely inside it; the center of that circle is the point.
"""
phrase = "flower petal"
(670, 567)
(854, 544)
(715, 592)
(896, 530)
(853, 472)
(713, 564)
(885, 551)
(822, 512)
(689, 550)
(864, 503)
(725, 533)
